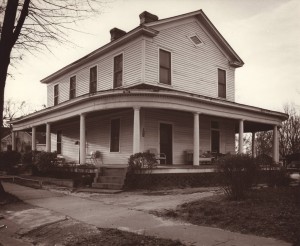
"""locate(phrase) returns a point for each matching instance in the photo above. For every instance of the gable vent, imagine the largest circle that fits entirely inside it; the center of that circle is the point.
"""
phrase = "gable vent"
(195, 40)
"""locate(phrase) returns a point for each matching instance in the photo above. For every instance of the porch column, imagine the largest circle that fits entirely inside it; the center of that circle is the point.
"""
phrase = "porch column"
(196, 140)
(48, 137)
(82, 142)
(275, 144)
(33, 140)
(253, 145)
(241, 134)
(136, 130)
(13, 140)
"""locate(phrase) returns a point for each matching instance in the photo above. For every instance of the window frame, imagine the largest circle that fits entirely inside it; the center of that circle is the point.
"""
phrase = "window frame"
(170, 69)
(56, 97)
(96, 81)
(111, 146)
(117, 72)
(72, 91)
(222, 87)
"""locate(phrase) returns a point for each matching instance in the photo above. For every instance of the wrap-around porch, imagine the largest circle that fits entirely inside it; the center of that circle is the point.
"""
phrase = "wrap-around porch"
(179, 112)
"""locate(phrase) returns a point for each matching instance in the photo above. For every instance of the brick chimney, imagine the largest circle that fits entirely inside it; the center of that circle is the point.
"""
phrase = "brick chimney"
(147, 17)
(116, 33)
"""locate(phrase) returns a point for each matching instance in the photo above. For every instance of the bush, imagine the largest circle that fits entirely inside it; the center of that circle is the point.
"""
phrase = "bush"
(44, 161)
(139, 160)
(277, 176)
(9, 160)
(237, 175)
(136, 162)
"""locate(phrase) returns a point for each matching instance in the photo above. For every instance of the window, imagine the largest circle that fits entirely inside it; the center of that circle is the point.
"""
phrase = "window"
(55, 95)
(118, 71)
(215, 137)
(72, 87)
(215, 141)
(115, 135)
(221, 83)
(165, 67)
(58, 141)
(93, 79)
(195, 40)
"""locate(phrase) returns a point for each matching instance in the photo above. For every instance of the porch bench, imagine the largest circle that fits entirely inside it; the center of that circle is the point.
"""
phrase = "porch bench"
(202, 160)
(159, 156)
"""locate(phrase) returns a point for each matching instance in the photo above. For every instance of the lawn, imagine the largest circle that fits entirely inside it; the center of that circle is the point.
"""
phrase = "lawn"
(268, 212)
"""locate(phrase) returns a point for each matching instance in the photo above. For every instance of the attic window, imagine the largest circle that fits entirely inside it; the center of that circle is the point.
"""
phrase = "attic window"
(196, 40)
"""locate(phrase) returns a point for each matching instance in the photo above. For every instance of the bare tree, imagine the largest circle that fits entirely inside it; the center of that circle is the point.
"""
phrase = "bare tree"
(289, 135)
(28, 25)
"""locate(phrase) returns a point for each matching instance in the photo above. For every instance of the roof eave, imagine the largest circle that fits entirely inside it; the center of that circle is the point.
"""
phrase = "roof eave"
(141, 30)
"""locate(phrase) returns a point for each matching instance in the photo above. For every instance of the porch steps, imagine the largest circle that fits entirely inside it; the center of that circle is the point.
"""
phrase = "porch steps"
(110, 178)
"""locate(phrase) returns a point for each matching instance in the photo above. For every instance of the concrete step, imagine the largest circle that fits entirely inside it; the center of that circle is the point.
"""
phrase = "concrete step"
(110, 186)
(111, 179)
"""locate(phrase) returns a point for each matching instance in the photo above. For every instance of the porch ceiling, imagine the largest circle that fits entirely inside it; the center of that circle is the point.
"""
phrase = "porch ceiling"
(254, 127)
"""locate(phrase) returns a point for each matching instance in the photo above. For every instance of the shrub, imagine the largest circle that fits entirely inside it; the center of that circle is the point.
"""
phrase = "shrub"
(8, 161)
(136, 162)
(277, 176)
(237, 174)
(44, 161)
(139, 160)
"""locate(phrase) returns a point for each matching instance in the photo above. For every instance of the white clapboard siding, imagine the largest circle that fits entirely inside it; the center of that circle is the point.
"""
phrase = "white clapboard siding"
(132, 54)
(183, 124)
(194, 69)
(97, 137)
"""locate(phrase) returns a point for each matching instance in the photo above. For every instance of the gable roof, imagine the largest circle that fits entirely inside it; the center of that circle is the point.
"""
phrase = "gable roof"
(213, 31)
(148, 29)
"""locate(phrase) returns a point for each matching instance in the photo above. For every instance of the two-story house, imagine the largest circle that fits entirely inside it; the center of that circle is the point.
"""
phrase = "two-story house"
(167, 85)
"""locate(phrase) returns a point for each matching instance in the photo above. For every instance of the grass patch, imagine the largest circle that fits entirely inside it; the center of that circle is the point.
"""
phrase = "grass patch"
(269, 212)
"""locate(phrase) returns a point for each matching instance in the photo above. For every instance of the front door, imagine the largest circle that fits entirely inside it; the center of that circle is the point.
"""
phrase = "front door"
(166, 140)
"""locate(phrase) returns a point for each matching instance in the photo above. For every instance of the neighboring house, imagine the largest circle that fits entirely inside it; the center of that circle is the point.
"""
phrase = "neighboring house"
(166, 86)
(22, 140)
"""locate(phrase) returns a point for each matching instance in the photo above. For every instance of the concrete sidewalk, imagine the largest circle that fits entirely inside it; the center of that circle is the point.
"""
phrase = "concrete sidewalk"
(121, 216)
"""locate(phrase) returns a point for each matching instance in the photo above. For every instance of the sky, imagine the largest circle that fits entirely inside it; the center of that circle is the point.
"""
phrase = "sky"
(265, 34)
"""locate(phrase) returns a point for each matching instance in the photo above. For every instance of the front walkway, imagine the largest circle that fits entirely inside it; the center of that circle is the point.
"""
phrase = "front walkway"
(129, 211)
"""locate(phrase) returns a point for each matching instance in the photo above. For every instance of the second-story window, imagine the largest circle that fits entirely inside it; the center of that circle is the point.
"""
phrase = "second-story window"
(72, 87)
(118, 71)
(221, 83)
(165, 67)
(55, 95)
(93, 79)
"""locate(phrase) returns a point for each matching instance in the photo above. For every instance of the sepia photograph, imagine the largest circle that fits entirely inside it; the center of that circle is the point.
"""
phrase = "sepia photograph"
(163, 122)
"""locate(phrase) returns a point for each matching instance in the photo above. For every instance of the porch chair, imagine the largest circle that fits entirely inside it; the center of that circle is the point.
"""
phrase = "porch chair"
(159, 156)
(93, 157)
